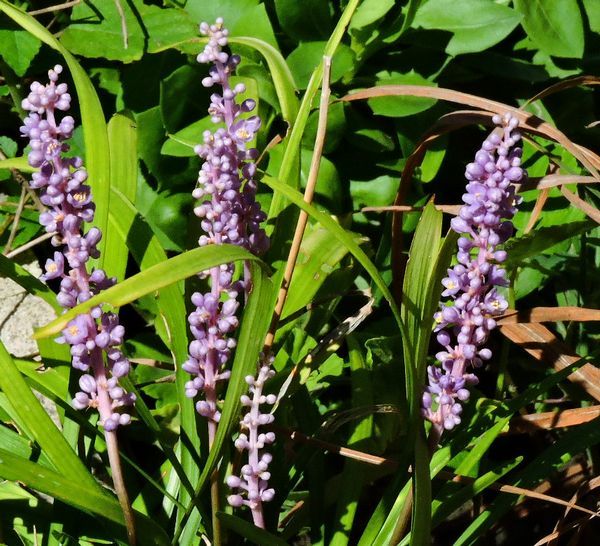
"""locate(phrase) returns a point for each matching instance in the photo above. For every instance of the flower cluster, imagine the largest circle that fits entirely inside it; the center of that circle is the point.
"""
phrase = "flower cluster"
(254, 478)
(96, 334)
(229, 213)
(465, 321)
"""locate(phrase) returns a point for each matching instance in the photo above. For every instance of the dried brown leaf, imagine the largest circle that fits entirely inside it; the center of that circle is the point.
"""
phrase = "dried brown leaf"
(563, 85)
(549, 314)
(527, 122)
(544, 346)
(554, 180)
(554, 419)
(537, 210)
(582, 205)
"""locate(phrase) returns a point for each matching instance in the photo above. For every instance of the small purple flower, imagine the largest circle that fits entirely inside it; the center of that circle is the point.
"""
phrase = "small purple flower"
(94, 337)
(229, 213)
(464, 322)
(251, 487)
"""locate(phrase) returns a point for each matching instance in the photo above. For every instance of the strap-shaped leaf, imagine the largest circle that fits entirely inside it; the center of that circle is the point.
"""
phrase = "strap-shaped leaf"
(253, 329)
(76, 493)
(152, 279)
(39, 424)
(92, 117)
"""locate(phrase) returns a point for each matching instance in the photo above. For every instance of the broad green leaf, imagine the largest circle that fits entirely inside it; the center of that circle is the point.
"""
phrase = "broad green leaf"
(319, 255)
(97, 30)
(18, 48)
(285, 87)
(38, 422)
(254, 325)
(19, 163)
(92, 118)
(476, 25)
(151, 279)
(183, 142)
(401, 106)
(78, 494)
(8, 146)
(370, 11)
(304, 21)
(248, 530)
(122, 139)
(290, 165)
(592, 9)
(241, 17)
(555, 26)
(308, 56)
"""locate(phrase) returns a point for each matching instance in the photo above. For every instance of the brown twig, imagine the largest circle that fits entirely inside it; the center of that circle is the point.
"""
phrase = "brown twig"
(308, 197)
(16, 220)
(112, 448)
(57, 7)
(30, 244)
(124, 31)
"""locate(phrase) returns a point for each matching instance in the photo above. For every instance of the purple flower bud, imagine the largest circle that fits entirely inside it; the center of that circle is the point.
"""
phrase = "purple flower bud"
(70, 204)
(484, 219)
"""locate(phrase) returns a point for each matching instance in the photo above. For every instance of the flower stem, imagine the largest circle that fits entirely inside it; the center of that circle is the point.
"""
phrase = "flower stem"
(112, 448)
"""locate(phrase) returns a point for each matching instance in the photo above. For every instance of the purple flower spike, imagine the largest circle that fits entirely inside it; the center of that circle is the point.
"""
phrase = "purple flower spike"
(252, 485)
(229, 213)
(93, 335)
(466, 319)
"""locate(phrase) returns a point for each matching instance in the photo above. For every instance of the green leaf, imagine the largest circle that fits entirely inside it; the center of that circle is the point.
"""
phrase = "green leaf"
(555, 26)
(342, 236)
(285, 87)
(401, 106)
(172, 313)
(39, 424)
(307, 57)
(154, 278)
(8, 146)
(370, 11)
(122, 139)
(304, 21)
(476, 24)
(419, 297)
(592, 9)
(538, 242)
(319, 255)
(18, 48)
(248, 530)
(78, 494)
(290, 165)
(182, 143)
(254, 325)
(241, 17)
(97, 30)
(92, 118)
(416, 309)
